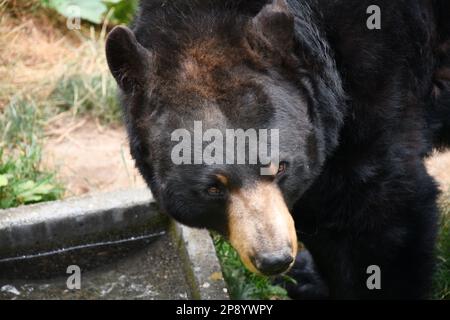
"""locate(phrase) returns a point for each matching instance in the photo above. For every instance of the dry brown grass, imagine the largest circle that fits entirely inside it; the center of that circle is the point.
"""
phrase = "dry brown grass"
(35, 55)
(19, 8)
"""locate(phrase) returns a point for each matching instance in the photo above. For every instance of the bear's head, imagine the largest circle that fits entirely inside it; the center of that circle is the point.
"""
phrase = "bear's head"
(190, 79)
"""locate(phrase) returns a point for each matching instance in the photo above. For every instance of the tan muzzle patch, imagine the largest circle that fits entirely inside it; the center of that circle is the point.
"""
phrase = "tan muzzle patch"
(260, 223)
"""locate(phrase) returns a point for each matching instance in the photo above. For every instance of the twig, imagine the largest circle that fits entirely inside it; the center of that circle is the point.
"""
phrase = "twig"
(70, 130)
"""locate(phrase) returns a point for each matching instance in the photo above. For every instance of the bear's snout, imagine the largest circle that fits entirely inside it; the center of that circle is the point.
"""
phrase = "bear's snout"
(273, 263)
(261, 229)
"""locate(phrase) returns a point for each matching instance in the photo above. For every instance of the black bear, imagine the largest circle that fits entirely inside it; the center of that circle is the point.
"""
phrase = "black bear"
(358, 92)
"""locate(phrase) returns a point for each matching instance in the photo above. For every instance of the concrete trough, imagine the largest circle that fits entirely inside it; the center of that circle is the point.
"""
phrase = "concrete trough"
(123, 246)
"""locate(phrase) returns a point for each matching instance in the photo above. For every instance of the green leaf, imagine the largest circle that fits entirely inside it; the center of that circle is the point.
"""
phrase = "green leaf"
(3, 180)
(27, 198)
(24, 186)
(32, 192)
(91, 10)
(123, 10)
(43, 189)
(6, 203)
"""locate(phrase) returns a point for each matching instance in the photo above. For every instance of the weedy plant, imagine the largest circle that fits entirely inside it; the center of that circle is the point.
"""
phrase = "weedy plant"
(243, 284)
(22, 180)
(442, 276)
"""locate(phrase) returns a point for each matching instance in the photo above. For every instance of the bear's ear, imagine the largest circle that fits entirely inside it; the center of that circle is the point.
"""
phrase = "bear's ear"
(128, 61)
(275, 24)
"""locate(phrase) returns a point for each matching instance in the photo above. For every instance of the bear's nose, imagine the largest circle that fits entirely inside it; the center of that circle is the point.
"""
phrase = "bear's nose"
(273, 263)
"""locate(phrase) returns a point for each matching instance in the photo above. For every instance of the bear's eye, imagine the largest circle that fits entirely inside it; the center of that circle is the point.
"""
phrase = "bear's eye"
(282, 169)
(214, 191)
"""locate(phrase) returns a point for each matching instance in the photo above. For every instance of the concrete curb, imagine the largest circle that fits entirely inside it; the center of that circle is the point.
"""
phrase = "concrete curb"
(101, 217)
(204, 273)
(106, 217)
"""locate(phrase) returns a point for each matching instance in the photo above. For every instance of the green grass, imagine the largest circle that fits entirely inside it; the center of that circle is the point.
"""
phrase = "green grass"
(21, 123)
(442, 276)
(88, 95)
(22, 180)
(243, 284)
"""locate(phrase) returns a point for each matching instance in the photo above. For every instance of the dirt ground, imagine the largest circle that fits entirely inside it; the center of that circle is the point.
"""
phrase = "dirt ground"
(92, 158)
(89, 157)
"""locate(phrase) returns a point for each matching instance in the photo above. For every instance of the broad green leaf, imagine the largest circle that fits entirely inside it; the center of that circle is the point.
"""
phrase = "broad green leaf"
(24, 186)
(91, 10)
(3, 180)
(29, 191)
(27, 198)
